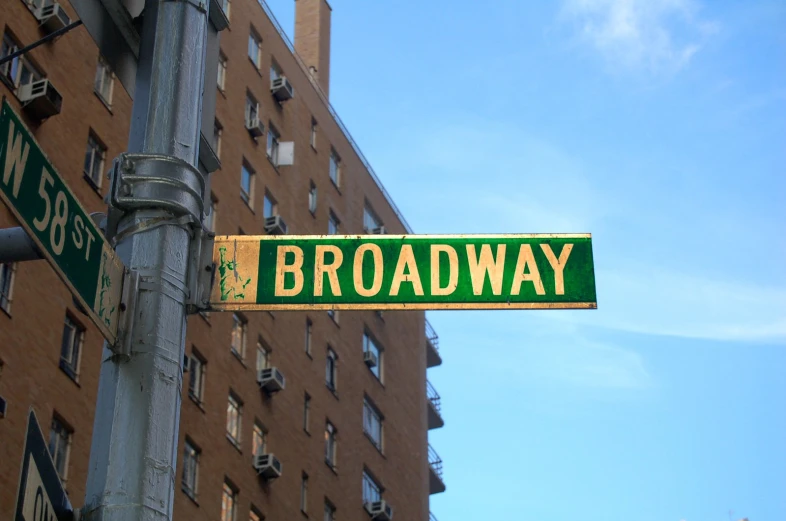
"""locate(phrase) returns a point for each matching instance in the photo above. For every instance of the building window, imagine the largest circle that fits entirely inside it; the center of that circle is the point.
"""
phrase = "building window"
(259, 440)
(330, 445)
(196, 379)
(335, 168)
(71, 347)
(330, 511)
(312, 198)
(372, 423)
(255, 515)
(371, 223)
(7, 272)
(247, 183)
(225, 7)
(255, 48)
(94, 160)
(239, 329)
(313, 138)
(273, 138)
(210, 220)
(218, 132)
(105, 81)
(222, 66)
(263, 357)
(372, 492)
(275, 71)
(18, 71)
(333, 223)
(304, 493)
(306, 411)
(234, 418)
(370, 346)
(269, 206)
(229, 502)
(252, 111)
(309, 331)
(60, 445)
(190, 468)
(331, 369)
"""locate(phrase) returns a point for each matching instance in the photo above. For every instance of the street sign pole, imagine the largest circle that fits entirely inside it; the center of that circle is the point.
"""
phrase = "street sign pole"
(158, 194)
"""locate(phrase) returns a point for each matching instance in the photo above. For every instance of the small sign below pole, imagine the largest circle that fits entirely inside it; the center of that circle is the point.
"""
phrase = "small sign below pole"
(41, 494)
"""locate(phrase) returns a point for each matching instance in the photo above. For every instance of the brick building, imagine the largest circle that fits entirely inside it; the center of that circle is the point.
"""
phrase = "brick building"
(351, 425)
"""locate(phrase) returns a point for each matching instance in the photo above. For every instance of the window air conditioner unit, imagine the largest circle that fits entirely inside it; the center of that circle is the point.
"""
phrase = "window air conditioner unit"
(52, 17)
(281, 88)
(379, 231)
(268, 466)
(271, 380)
(40, 99)
(370, 358)
(275, 225)
(380, 510)
(255, 127)
(3, 407)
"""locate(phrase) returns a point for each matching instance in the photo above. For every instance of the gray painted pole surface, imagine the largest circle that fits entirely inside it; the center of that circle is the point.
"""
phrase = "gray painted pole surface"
(17, 246)
(133, 456)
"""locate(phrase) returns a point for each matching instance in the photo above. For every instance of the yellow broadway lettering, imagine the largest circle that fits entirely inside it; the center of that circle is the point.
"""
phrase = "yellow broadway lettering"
(282, 268)
(558, 265)
(526, 260)
(486, 263)
(406, 260)
(376, 252)
(436, 249)
(321, 269)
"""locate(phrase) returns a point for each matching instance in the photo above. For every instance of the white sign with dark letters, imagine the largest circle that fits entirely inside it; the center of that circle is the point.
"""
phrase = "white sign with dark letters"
(41, 494)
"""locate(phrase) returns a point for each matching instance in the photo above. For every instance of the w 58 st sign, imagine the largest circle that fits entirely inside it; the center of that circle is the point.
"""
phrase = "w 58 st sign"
(404, 272)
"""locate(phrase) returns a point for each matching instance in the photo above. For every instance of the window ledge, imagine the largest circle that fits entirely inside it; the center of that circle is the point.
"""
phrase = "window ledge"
(238, 357)
(104, 101)
(197, 402)
(332, 467)
(335, 185)
(191, 495)
(6, 311)
(234, 443)
(275, 166)
(305, 514)
(374, 443)
(205, 317)
(93, 185)
(69, 373)
(248, 203)
(333, 391)
(221, 91)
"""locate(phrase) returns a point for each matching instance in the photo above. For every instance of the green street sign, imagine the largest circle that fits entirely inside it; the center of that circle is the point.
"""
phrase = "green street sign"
(57, 223)
(534, 271)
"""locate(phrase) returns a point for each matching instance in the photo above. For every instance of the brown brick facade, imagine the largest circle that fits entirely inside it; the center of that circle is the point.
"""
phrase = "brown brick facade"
(31, 334)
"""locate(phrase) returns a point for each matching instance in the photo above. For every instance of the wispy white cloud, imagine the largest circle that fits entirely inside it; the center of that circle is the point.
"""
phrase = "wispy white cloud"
(652, 300)
(551, 355)
(658, 35)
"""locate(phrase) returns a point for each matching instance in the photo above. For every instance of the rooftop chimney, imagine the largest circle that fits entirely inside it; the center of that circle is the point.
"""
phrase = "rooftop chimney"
(312, 38)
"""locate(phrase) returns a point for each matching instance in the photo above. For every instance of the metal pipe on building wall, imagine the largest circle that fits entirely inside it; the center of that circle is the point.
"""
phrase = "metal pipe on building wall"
(131, 476)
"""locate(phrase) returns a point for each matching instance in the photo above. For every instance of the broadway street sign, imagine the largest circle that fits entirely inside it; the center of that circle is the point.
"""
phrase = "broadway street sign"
(535, 271)
(57, 223)
(41, 496)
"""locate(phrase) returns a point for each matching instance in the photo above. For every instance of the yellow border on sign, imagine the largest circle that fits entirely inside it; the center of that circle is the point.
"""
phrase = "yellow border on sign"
(403, 307)
(400, 236)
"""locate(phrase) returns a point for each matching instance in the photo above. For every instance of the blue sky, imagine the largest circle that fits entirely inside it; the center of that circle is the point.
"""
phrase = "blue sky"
(656, 125)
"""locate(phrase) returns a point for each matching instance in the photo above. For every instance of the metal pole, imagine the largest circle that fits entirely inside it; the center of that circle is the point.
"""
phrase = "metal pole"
(17, 246)
(133, 455)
